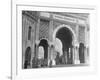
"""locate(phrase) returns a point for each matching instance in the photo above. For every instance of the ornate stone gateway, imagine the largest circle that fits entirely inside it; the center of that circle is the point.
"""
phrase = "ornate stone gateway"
(54, 39)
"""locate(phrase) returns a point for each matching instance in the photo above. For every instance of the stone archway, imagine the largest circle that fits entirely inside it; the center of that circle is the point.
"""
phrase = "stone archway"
(66, 26)
(27, 57)
(67, 37)
(81, 53)
(44, 43)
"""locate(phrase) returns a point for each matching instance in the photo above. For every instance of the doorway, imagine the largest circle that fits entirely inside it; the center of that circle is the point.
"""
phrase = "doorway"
(44, 44)
(66, 36)
(27, 57)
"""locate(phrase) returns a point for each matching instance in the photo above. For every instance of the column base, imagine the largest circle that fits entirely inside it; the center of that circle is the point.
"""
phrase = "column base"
(77, 62)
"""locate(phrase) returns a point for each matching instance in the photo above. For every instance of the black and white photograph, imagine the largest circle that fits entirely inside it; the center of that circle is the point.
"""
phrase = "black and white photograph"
(52, 40)
(55, 39)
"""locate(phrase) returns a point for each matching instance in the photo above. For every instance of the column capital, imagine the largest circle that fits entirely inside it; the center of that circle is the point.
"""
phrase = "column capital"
(76, 45)
(50, 43)
(37, 42)
(86, 45)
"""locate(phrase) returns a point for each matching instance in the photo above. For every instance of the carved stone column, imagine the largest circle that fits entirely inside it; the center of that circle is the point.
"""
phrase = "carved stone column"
(77, 61)
(37, 37)
(50, 38)
(49, 52)
(86, 54)
(86, 41)
(76, 45)
(73, 51)
(36, 48)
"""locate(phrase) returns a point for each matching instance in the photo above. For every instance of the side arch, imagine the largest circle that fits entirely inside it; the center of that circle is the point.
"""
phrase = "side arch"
(44, 43)
(27, 57)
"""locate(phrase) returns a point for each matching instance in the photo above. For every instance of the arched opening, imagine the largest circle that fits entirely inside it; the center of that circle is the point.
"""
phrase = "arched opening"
(66, 36)
(44, 43)
(27, 57)
(81, 53)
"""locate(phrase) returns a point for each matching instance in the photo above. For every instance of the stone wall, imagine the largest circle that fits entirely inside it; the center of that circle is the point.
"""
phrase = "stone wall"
(26, 23)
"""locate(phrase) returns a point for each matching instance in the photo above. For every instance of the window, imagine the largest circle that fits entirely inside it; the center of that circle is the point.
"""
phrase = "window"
(29, 33)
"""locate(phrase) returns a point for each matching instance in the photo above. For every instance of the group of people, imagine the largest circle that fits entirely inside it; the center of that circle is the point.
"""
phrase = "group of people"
(65, 58)
(61, 58)
(58, 60)
(36, 63)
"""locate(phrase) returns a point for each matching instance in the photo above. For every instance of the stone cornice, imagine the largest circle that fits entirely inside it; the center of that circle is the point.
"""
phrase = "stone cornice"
(31, 15)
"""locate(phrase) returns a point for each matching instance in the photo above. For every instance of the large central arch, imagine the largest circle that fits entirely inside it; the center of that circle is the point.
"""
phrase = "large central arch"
(67, 37)
(64, 26)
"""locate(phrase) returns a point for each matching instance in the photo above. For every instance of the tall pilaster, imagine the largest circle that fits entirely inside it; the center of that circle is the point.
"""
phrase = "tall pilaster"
(37, 37)
(50, 37)
(76, 46)
(86, 42)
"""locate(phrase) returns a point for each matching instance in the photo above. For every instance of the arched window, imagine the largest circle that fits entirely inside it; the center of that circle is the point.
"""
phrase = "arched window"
(27, 57)
(81, 53)
(29, 33)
